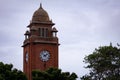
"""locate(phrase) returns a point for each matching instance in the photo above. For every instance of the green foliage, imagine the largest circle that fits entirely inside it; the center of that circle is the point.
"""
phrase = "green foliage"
(8, 73)
(53, 74)
(104, 64)
(86, 77)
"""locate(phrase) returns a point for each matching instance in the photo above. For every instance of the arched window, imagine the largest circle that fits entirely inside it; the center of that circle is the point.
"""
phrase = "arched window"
(46, 32)
(43, 32)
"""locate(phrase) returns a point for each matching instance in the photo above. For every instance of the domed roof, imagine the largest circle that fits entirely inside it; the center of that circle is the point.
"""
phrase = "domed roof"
(40, 15)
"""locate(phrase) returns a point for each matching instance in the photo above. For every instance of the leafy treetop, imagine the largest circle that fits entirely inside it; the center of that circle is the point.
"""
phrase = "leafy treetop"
(104, 64)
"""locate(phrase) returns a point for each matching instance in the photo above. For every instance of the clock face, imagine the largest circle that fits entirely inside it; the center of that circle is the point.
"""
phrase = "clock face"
(44, 55)
(26, 57)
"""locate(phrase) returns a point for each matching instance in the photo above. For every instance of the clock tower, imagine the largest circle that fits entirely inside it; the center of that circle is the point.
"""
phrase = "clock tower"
(40, 47)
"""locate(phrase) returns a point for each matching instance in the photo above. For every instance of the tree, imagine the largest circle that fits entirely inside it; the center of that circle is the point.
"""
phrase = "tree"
(104, 64)
(8, 73)
(53, 74)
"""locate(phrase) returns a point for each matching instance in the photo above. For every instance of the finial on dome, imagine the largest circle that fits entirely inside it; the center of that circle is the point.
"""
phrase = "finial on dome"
(41, 5)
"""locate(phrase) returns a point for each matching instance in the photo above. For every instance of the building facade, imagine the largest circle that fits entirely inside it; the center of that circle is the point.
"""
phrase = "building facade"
(40, 47)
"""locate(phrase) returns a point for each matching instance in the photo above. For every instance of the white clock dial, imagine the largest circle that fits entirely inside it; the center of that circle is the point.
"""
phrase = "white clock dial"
(26, 57)
(44, 55)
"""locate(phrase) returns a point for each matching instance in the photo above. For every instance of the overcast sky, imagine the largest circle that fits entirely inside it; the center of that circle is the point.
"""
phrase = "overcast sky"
(83, 25)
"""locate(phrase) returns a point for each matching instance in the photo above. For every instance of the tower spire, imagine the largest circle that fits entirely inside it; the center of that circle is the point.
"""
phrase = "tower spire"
(41, 5)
